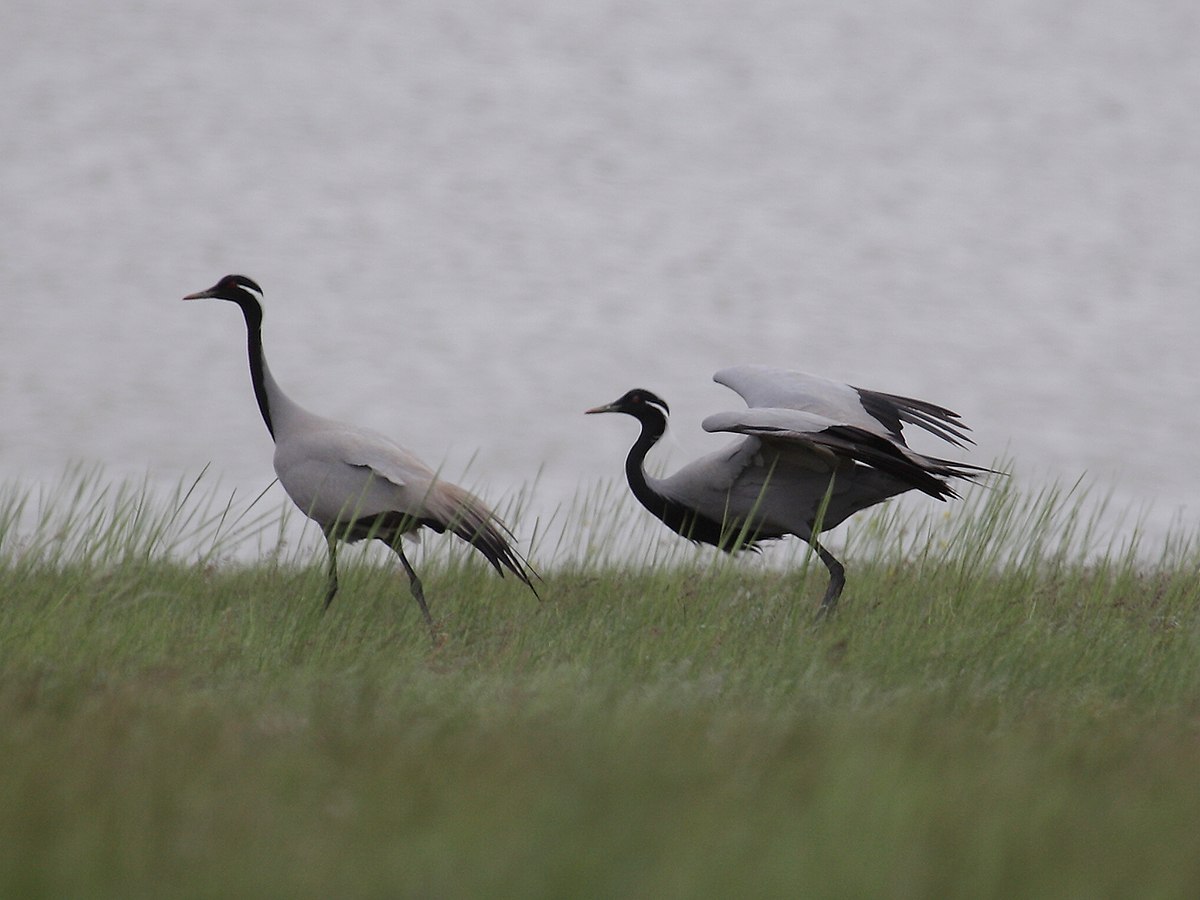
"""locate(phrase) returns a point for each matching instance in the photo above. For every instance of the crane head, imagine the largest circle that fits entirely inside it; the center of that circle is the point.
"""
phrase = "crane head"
(636, 403)
(228, 288)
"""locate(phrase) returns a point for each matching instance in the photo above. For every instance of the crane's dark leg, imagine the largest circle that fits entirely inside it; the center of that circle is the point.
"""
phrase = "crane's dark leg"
(332, 587)
(414, 584)
(837, 581)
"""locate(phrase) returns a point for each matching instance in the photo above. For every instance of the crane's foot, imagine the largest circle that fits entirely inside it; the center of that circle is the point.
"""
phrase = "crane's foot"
(331, 588)
(837, 581)
(418, 592)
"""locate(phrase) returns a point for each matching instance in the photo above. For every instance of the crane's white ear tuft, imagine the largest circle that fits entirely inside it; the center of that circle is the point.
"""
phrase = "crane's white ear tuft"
(247, 283)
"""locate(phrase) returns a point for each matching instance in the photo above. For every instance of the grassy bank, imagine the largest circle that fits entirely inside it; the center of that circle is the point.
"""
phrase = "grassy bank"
(998, 710)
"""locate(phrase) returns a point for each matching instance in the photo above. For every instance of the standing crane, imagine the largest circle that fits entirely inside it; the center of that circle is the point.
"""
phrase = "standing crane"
(813, 453)
(354, 482)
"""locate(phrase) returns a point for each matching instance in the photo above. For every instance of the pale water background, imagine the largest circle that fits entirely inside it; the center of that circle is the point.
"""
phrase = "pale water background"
(473, 220)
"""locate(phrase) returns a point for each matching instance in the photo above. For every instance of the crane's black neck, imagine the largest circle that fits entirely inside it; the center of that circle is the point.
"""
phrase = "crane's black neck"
(654, 426)
(252, 310)
(680, 518)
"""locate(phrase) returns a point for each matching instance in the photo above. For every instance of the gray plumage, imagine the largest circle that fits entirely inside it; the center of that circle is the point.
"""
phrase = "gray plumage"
(813, 453)
(356, 483)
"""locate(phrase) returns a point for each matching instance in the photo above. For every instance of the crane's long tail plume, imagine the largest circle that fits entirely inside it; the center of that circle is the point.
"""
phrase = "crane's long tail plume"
(471, 519)
(925, 473)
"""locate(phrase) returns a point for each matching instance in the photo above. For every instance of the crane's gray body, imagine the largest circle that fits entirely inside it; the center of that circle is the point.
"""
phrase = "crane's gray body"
(775, 486)
(775, 480)
(338, 473)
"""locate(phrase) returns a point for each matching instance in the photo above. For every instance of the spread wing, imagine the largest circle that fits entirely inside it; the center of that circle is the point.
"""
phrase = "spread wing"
(872, 411)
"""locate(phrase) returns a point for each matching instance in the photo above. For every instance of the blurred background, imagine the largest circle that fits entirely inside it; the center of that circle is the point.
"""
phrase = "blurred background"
(473, 220)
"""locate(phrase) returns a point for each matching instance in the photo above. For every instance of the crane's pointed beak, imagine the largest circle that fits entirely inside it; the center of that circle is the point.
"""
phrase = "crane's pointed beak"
(607, 407)
(201, 295)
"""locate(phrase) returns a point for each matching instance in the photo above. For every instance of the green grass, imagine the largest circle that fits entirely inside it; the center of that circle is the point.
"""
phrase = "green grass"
(1005, 706)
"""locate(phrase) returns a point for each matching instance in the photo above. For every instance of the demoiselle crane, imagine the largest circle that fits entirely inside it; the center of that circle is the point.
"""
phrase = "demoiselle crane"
(814, 452)
(356, 483)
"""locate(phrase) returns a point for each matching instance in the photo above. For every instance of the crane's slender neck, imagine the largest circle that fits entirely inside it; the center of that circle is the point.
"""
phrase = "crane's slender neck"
(679, 517)
(259, 373)
(654, 425)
